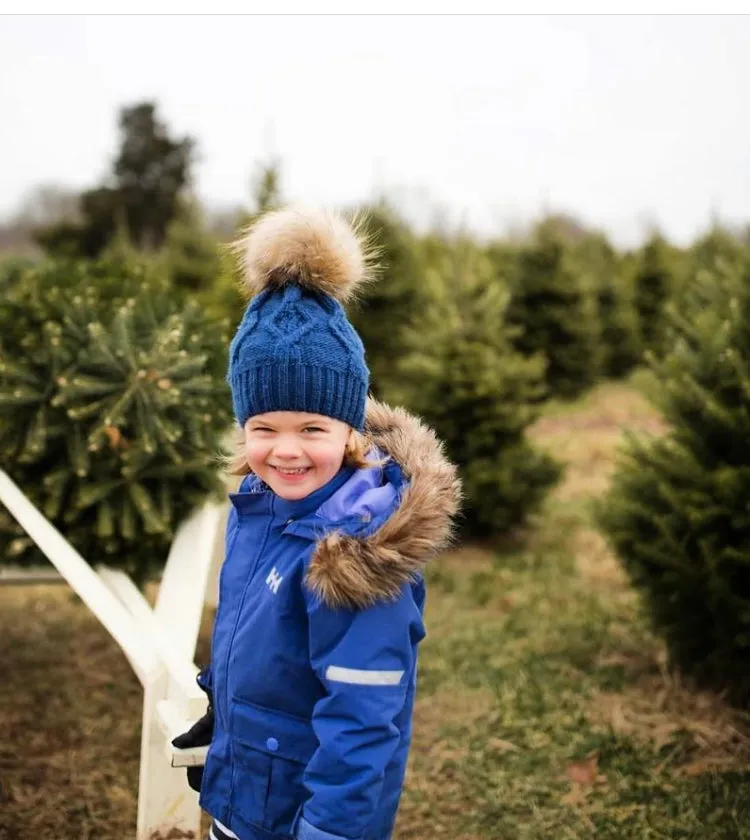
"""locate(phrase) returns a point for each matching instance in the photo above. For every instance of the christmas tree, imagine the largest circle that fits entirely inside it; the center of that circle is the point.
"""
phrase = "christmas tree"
(463, 375)
(555, 312)
(190, 255)
(653, 285)
(610, 282)
(112, 405)
(717, 249)
(677, 513)
(226, 297)
(386, 306)
(142, 193)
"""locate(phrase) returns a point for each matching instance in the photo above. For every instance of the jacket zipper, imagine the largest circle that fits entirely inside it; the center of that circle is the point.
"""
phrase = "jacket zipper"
(237, 618)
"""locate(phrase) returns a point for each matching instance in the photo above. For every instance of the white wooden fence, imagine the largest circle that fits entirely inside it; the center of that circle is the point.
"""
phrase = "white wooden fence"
(159, 643)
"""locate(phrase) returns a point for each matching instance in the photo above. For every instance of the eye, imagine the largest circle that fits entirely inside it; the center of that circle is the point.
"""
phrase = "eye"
(313, 429)
(260, 429)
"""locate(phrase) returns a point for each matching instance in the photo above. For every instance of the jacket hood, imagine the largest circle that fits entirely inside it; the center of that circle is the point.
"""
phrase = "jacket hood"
(357, 571)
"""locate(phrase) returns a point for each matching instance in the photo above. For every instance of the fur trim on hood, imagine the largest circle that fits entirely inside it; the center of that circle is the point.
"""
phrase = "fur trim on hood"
(347, 571)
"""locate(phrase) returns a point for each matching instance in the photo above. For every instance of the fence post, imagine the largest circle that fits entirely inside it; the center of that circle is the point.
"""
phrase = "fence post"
(166, 803)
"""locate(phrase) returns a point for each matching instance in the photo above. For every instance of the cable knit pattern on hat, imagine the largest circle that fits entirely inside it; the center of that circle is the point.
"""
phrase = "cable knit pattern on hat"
(295, 349)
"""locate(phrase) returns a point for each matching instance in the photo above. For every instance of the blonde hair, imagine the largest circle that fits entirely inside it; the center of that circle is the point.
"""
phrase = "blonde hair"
(355, 453)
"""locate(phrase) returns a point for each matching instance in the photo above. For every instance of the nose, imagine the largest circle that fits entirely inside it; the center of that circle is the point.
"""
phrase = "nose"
(287, 448)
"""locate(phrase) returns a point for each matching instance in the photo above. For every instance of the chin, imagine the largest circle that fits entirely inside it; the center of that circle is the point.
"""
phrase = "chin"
(293, 497)
(291, 494)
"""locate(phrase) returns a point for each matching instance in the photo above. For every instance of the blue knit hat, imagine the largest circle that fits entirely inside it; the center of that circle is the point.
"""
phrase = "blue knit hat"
(295, 350)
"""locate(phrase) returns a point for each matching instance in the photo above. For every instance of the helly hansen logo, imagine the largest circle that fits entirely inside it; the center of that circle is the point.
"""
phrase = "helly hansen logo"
(274, 580)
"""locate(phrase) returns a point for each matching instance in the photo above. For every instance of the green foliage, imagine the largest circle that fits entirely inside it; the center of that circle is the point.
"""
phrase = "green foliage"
(605, 275)
(677, 513)
(266, 187)
(151, 171)
(503, 254)
(222, 293)
(462, 374)
(266, 193)
(190, 255)
(149, 174)
(386, 307)
(717, 250)
(74, 240)
(225, 299)
(112, 402)
(555, 312)
(653, 285)
(12, 270)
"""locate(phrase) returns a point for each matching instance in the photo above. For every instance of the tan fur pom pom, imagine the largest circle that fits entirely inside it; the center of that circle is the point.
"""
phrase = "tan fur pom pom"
(315, 248)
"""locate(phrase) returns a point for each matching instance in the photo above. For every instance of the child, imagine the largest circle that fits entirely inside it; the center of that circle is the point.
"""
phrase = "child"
(314, 648)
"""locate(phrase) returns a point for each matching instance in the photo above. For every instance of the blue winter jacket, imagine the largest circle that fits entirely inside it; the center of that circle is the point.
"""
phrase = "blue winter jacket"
(315, 640)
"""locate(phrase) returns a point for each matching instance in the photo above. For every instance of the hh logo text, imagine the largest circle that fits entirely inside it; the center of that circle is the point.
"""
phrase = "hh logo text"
(274, 580)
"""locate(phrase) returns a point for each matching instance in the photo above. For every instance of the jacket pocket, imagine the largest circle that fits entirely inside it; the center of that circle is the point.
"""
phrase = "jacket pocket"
(271, 750)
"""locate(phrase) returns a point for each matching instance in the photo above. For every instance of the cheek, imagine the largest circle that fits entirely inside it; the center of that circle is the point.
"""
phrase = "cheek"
(255, 453)
(328, 458)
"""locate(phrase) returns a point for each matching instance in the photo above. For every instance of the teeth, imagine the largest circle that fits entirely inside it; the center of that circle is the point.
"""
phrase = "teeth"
(292, 472)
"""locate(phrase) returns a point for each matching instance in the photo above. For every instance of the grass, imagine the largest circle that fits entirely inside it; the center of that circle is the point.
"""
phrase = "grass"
(544, 709)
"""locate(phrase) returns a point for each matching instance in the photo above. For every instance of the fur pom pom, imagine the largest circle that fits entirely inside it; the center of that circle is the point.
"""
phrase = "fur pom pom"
(315, 248)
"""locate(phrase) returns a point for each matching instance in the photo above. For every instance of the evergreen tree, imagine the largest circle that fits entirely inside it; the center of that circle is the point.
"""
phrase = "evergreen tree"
(12, 270)
(386, 306)
(226, 297)
(462, 374)
(265, 192)
(112, 403)
(719, 250)
(654, 284)
(190, 255)
(607, 277)
(148, 178)
(266, 187)
(151, 171)
(554, 311)
(677, 513)
(504, 258)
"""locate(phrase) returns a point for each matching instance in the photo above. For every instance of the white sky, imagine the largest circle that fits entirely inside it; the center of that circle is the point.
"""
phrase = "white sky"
(621, 120)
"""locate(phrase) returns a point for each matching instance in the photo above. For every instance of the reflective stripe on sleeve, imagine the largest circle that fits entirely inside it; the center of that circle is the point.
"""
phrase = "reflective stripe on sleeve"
(353, 676)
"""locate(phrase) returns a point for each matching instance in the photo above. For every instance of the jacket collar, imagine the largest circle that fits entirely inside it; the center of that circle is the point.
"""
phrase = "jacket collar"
(256, 496)
(358, 506)
(299, 508)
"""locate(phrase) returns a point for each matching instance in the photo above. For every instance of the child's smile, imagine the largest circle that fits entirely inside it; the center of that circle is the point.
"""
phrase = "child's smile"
(293, 476)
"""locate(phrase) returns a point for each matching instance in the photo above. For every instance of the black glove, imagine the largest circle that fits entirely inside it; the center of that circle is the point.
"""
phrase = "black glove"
(199, 735)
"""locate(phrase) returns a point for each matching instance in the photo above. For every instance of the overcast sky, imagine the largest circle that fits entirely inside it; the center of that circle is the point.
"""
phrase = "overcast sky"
(623, 121)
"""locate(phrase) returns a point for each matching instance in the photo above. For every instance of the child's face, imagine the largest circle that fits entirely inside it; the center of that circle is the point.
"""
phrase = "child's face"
(294, 452)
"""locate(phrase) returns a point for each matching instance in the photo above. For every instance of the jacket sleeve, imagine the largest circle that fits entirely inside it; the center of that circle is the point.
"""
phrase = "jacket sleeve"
(365, 660)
